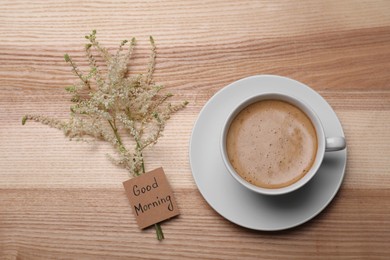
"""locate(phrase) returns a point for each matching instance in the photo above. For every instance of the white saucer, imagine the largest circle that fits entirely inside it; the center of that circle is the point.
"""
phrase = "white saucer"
(240, 205)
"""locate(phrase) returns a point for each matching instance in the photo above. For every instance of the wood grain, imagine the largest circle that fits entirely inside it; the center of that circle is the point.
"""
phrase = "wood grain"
(61, 199)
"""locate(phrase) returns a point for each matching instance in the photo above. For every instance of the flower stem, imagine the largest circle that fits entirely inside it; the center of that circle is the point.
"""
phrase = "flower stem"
(157, 226)
(142, 157)
(118, 138)
(76, 71)
(159, 232)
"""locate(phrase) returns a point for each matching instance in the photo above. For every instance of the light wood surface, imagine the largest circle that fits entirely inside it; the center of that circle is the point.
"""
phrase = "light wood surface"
(62, 199)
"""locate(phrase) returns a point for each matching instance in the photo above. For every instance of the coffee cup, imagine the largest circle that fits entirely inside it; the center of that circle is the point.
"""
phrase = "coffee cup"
(274, 143)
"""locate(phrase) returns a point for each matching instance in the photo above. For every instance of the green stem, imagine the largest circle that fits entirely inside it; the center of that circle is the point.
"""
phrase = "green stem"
(157, 226)
(142, 157)
(76, 71)
(118, 138)
(159, 232)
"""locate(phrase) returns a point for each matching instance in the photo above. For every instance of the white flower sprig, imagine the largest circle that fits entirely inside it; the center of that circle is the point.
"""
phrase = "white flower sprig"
(108, 104)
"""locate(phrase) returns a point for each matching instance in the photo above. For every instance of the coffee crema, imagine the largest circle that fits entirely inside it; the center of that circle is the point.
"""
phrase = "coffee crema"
(271, 143)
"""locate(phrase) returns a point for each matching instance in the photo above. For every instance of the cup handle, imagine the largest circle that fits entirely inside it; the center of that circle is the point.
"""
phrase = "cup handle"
(335, 144)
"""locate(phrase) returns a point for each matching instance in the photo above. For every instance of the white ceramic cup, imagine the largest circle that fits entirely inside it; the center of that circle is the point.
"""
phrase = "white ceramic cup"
(324, 144)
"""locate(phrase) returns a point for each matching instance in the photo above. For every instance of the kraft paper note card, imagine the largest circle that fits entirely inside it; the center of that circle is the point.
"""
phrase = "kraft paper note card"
(151, 198)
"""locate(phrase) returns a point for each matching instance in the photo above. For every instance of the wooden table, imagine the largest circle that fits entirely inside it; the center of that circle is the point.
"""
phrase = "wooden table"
(62, 199)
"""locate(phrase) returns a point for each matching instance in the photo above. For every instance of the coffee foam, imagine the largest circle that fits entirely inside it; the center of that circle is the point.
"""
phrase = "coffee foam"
(271, 144)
